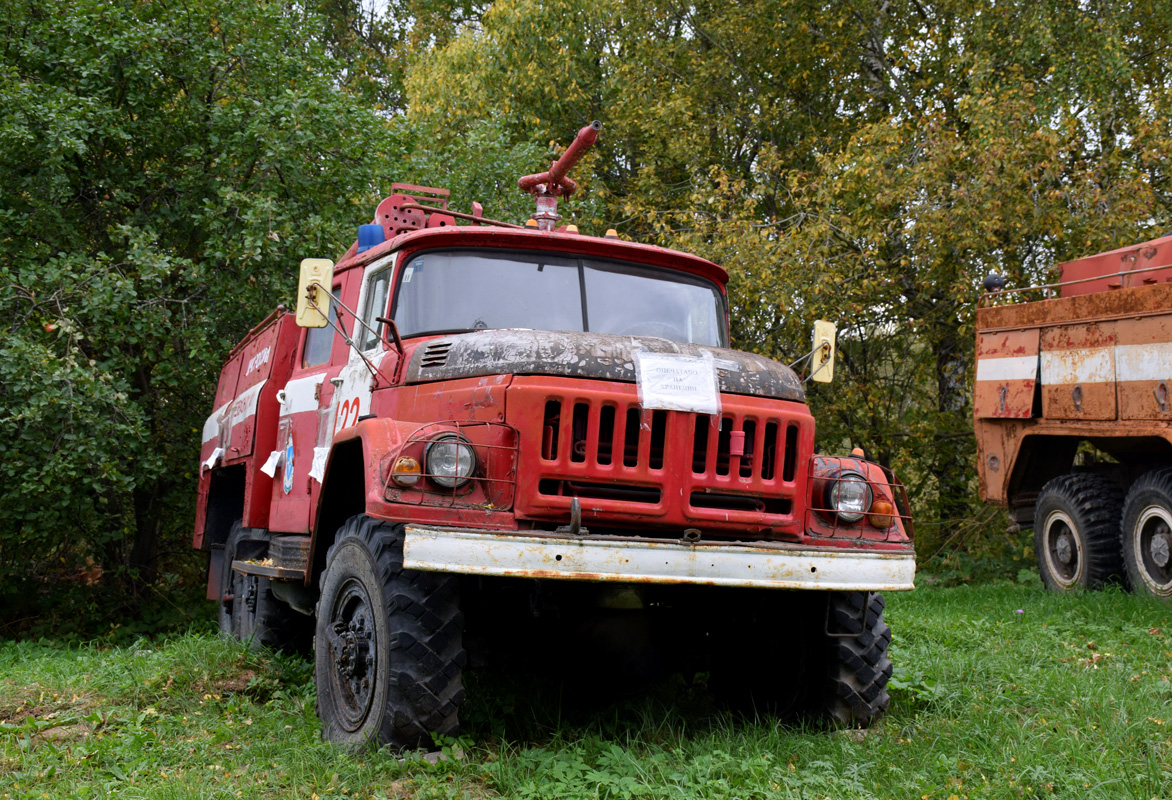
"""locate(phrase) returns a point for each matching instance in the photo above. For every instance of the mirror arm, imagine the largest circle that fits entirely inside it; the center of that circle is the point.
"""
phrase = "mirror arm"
(374, 371)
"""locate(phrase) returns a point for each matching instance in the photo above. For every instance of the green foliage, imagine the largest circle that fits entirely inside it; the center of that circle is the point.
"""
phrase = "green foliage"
(165, 166)
(1001, 691)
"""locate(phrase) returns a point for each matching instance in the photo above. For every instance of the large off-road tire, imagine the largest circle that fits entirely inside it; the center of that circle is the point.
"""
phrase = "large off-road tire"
(248, 610)
(1147, 534)
(859, 668)
(1076, 532)
(388, 648)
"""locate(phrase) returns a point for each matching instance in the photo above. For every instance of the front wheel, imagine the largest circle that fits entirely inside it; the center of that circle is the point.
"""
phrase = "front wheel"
(1147, 534)
(1076, 532)
(859, 665)
(388, 648)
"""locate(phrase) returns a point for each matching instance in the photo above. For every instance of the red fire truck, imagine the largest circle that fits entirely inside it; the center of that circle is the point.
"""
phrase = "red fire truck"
(1072, 416)
(480, 440)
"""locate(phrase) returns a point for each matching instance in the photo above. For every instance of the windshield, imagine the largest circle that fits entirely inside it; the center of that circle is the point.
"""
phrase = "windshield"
(458, 291)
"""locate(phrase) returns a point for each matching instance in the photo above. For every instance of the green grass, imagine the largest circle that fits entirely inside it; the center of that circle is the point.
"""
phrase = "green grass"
(1069, 698)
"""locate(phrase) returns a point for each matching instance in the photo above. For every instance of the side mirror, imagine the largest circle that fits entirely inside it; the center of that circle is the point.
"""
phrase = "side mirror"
(822, 360)
(313, 299)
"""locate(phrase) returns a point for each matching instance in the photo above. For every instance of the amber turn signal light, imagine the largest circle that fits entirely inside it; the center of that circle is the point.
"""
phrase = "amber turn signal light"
(406, 471)
(881, 515)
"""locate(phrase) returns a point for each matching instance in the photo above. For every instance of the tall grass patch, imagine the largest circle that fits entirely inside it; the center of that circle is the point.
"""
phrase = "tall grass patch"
(1000, 691)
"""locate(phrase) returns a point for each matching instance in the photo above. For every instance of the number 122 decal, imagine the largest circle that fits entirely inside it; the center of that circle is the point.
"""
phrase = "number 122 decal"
(348, 414)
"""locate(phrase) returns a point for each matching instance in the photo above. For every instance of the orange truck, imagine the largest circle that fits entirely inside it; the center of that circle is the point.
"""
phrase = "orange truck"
(1072, 409)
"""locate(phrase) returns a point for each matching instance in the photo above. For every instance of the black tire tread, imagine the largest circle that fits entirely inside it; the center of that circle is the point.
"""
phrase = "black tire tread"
(425, 644)
(859, 665)
(273, 624)
(1095, 505)
(1158, 481)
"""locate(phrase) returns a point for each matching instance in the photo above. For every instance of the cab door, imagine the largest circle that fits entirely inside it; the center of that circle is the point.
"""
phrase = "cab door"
(303, 403)
(322, 399)
(370, 362)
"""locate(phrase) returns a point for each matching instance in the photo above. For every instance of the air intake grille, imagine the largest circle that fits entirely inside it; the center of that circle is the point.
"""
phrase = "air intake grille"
(435, 354)
(735, 475)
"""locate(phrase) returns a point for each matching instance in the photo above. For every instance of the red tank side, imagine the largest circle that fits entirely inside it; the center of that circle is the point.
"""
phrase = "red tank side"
(1101, 272)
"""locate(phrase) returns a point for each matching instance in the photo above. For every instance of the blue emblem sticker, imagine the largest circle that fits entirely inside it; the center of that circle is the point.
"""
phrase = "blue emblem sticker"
(288, 485)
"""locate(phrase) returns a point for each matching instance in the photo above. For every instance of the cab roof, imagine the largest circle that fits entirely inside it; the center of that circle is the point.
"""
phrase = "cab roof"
(469, 236)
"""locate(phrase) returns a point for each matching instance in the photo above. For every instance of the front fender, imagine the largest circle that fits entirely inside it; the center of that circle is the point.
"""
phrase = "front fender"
(822, 522)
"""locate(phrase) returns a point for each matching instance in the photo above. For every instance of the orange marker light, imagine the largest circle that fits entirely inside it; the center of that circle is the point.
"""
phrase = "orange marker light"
(406, 471)
(882, 514)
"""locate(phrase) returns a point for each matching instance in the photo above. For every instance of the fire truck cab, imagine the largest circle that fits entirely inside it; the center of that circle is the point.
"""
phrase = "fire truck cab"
(486, 440)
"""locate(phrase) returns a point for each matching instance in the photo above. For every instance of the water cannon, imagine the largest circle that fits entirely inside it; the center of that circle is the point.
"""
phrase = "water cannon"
(546, 187)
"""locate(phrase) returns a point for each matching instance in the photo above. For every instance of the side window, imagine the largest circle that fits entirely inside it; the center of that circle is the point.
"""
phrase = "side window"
(319, 341)
(376, 306)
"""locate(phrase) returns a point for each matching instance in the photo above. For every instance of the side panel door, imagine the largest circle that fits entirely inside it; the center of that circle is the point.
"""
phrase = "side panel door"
(225, 395)
(1143, 367)
(1078, 371)
(1007, 374)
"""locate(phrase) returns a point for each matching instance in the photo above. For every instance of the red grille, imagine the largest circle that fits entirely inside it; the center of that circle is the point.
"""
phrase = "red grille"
(737, 472)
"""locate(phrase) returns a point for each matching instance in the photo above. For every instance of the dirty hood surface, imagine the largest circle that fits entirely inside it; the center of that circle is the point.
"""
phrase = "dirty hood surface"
(600, 356)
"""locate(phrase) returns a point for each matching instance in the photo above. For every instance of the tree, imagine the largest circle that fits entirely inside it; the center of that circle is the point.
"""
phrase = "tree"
(165, 165)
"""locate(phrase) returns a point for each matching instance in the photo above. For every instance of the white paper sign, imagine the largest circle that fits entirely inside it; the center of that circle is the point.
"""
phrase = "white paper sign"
(678, 383)
(318, 470)
(270, 467)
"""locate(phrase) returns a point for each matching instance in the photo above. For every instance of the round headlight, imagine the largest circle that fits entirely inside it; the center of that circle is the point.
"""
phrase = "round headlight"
(850, 496)
(450, 460)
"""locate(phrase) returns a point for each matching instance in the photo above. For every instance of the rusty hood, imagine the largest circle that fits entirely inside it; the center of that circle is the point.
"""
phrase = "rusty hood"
(601, 356)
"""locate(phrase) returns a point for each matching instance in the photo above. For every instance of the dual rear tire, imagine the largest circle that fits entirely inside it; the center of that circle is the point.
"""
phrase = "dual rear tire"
(1147, 534)
(248, 610)
(1076, 532)
(1087, 534)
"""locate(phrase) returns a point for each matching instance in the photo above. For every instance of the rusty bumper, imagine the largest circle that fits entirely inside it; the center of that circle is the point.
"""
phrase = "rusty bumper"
(764, 565)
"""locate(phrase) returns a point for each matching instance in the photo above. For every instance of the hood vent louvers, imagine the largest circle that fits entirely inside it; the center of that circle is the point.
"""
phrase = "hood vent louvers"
(435, 354)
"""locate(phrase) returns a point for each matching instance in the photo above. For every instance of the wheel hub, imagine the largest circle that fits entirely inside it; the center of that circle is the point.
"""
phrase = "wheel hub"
(351, 648)
(353, 654)
(1161, 548)
(1064, 548)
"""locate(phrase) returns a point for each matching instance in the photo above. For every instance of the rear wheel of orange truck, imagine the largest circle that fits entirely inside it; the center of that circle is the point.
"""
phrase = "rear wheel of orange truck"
(1147, 534)
(1076, 532)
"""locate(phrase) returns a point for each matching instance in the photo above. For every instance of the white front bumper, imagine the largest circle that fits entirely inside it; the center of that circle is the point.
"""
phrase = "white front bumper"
(774, 565)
